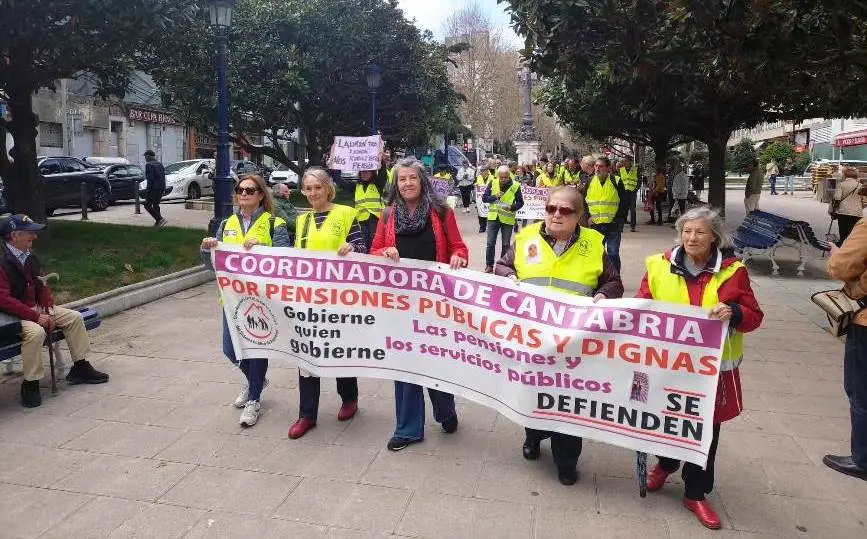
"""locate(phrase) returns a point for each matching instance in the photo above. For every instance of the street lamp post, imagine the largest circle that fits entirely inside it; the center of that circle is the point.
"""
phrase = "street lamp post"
(221, 21)
(374, 79)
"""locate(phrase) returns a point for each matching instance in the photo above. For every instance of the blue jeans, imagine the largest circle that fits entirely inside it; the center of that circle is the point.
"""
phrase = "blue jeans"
(789, 184)
(409, 409)
(612, 233)
(855, 385)
(495, 228)
(254, 369)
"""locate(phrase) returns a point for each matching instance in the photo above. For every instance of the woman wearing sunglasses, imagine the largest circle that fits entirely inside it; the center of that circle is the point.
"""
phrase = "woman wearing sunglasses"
(334, 228)
(569, 258)
(252, 224)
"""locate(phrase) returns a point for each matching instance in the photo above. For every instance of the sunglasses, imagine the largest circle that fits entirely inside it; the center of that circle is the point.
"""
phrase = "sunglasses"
(246, 190)
(565, 212)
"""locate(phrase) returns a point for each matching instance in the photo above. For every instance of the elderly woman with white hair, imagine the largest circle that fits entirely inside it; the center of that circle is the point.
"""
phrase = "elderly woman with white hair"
(702, 271)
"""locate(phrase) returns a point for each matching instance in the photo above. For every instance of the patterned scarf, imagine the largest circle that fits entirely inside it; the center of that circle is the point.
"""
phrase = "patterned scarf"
(406, 222)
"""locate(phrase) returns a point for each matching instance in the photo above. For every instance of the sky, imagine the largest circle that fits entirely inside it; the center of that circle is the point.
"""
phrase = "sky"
(431, 14)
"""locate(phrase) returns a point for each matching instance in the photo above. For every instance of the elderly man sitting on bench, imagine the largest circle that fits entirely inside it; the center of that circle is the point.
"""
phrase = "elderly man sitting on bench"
(24, 295)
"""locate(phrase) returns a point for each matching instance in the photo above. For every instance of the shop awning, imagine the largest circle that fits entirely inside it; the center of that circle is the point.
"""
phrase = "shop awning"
(852, 138)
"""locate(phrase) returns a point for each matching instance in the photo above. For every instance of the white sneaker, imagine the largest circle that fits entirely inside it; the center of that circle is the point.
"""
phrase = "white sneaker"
(250, 415)
(467, 210)
(244, 396)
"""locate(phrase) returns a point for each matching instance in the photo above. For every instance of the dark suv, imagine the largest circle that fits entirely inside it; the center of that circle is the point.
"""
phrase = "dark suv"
(61, 184)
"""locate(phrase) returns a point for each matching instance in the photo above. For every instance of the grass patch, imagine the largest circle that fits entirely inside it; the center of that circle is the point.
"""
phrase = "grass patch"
(96, 257)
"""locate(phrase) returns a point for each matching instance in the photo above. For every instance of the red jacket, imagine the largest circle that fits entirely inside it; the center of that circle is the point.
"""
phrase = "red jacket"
(22, 308)
(746, 316)
(448, 244)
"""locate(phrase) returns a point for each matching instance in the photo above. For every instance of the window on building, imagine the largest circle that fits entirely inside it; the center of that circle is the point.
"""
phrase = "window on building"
(155, 139)
(51, 134)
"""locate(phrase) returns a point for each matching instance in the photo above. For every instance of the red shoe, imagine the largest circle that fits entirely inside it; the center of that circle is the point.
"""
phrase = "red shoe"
(705, 513)
(656, 478)
(301, 427)
(347, 410)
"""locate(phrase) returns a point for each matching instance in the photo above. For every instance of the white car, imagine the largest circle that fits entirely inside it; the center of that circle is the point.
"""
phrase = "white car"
(284, 174)
(187, 179)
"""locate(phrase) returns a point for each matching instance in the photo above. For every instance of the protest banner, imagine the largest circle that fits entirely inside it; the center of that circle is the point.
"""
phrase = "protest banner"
(635, 373)
(441, 186)
(356, 153)
(534, 202)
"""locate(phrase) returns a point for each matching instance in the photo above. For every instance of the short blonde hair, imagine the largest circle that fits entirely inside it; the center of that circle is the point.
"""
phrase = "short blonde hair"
(268, 198)
(323, 176)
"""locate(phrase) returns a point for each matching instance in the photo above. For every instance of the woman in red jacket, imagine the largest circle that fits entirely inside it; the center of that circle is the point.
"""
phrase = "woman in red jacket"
(418, 224)
(701, 271)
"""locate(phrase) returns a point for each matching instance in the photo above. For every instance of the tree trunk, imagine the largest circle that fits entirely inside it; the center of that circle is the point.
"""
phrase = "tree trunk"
(660, 153)
(24, 186)
(716, 150)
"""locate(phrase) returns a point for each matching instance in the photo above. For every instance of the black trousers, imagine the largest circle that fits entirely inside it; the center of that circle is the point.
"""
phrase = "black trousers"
(308, 387)
(846, 223)
(368, 229)
(152, 206)
(564, 447)
(855, 385)
(466, 194)
(483, 223)
(696, 482)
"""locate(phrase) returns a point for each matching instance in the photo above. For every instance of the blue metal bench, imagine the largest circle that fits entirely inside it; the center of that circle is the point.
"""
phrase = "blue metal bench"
(762, 233)
(11, 347)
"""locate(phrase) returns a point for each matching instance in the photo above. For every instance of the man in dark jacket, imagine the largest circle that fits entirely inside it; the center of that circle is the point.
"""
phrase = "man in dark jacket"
(155, 175)
(23, 295)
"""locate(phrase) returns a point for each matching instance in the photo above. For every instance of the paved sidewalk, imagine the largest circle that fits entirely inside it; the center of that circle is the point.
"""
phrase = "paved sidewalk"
(158, 452)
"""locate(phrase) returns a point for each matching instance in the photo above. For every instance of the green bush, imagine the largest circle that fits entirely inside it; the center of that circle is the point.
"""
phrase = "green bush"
(743, 153)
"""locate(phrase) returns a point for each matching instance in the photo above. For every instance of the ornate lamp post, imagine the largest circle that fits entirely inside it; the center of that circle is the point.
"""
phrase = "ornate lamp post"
(374, 79)
(221, 21)
(526, 140)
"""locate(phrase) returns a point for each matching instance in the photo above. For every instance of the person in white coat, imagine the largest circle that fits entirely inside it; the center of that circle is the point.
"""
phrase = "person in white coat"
(679, 190)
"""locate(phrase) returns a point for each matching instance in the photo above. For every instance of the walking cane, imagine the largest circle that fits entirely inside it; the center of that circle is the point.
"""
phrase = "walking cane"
(49, 335)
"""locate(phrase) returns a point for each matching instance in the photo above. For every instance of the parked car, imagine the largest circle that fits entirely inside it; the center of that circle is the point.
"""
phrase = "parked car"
(186, 179)
(61, 184)
(245, 167)
(122, 179)
(284, 174)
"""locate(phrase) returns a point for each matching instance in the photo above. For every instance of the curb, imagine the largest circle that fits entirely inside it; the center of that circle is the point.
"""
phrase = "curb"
(134, 295)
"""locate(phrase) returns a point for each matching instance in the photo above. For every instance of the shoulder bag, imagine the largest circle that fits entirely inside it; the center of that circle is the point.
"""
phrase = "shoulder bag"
(839, 308)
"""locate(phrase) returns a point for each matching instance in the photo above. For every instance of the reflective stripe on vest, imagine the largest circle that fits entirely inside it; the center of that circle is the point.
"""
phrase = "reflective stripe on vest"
(330, 235)
(629, 178)
(602, 201)
(501, 209)
(367, 201)
(576, 271)
(667, 286)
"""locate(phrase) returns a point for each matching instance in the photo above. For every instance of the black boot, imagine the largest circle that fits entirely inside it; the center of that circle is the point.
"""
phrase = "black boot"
(531, 449)
(567, 476)
(30, 396)
(83, 372)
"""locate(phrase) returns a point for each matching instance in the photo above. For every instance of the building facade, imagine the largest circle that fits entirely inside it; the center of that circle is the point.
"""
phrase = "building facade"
(823, 138)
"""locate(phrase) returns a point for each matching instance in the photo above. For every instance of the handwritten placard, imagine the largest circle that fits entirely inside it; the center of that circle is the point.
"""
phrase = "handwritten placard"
(356, 153)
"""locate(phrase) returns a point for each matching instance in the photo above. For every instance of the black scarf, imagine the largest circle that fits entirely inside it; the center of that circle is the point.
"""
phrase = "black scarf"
(406, 222)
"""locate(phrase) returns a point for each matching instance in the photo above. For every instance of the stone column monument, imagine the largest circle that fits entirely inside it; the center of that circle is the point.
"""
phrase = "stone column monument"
(526, 141)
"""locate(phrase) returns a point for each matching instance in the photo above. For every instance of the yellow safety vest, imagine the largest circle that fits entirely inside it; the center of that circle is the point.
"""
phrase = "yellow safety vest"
(568, 178)
(667, 286)
(443, 176)
(328, 237)
(502, 209)
(602, 201)
(629, 178)
(482, 181)
(389, 174)
(368, 201)
(233, 233)
(576, 271)
(543, 180)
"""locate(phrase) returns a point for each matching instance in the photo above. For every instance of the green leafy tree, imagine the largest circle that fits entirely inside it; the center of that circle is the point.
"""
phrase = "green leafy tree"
(777, 152)
(741, 154)
(42, 41)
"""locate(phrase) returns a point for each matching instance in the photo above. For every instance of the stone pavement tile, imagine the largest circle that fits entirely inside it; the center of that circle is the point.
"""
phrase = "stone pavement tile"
(763, 446)
(346, 533)
(39, 466)
(125, 477)
(797, 425)
(600, 458)
(97, 518)
(340, 462)
(218, 525)
(832, 373)
(220, 450)
(44, 430)
(159, 522)
(335, 503)
(534, 483)
(147, 387)
(66, 401)
(208, 418)
(813, 482)
(740, 471)
(238, 491)
(860, 511)
(127, 410)
(371, 427)
(27, 512)
(806, 404)
(476, 417)
(826, 519)
(214, 393)
(817, 448)
(126, 439)
(564, 524)
(752, 384)
(758, 512)
(817, 388)
(439, 515)
(691, 528)
(289, 457)
(429, 473)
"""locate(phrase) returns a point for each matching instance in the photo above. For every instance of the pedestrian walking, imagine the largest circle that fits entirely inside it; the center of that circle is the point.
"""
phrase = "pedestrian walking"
(466, 178)
(753, 189)
(788, 173)
(848, 263)
(333, 228)
(679, 191)
(561, 254)
(628, 173)
(504, 199)
(847, 206)
(484, 179)
(606, 213)
(657, 196)
(155, 176)
(771, 173)
(702, 271)
(253, 223)
(418, 224)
